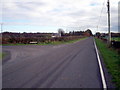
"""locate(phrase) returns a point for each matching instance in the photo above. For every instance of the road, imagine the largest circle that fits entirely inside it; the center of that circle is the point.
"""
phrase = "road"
(52, 66)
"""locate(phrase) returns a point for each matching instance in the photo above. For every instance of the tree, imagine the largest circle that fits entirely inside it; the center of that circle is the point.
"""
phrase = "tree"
(89, 31)
(98, 34)
(61, 32)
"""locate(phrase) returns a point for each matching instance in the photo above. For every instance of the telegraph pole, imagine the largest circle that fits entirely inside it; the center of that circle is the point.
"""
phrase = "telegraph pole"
(109, 33)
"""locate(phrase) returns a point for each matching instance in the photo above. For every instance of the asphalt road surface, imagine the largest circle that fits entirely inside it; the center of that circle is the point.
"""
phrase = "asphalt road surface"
(52, 66)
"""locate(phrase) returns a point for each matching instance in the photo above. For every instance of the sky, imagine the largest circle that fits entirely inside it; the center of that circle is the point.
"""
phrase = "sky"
(50, 15)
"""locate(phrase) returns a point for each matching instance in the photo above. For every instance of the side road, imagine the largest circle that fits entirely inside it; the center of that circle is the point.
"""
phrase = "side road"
(61, 66)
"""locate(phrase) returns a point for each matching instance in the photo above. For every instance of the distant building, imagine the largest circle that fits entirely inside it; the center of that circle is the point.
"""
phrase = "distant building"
(56, 35)
(34, 42)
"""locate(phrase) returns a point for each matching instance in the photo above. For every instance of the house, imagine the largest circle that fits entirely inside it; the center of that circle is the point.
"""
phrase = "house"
(34, 42)
(56, 35)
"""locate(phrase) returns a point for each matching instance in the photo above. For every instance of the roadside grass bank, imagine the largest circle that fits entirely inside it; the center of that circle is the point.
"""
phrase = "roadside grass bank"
(49, 43)
(61, 42)
(116, 38)
(111, 59)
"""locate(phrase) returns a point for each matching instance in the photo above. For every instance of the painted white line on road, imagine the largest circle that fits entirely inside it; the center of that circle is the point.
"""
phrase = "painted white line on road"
(101, 69)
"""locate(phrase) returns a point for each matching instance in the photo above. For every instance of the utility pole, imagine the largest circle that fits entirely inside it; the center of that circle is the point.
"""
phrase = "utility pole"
(109, 33)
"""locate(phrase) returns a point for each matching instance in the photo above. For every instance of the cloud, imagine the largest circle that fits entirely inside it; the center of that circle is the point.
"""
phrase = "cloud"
(74, 13)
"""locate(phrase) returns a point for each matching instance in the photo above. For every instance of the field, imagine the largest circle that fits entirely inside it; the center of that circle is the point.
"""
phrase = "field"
(112, 61)
(116, 38)
(51, 42)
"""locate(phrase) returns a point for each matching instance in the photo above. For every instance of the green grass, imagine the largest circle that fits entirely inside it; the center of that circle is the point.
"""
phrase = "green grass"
(49, 43)
(61, 42)
(116, 38)
(15, 44)
(111, 59)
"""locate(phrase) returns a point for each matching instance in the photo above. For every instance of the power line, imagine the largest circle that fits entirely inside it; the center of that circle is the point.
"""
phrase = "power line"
(100, 15)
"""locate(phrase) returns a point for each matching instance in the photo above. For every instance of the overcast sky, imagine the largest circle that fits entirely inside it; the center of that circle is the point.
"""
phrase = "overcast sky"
(49, 15)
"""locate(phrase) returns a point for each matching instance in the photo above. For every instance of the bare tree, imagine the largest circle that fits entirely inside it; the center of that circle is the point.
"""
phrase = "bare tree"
(61, 31)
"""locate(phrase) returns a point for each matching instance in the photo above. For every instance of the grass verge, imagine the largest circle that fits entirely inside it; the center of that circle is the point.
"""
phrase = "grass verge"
(111, 59)
(61, 42)
(49, 43)
(116, 38)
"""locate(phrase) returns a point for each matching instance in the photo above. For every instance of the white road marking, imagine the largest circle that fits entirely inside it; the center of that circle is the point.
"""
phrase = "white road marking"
(101, 69)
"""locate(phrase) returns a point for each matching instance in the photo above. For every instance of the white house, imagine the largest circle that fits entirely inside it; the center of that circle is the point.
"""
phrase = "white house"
(56, 35)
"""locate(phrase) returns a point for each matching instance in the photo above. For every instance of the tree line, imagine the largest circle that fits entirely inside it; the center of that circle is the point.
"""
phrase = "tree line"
(10, 37)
